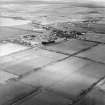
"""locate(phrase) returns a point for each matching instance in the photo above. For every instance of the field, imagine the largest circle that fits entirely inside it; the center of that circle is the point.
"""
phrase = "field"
(68, 72)
(8, 48)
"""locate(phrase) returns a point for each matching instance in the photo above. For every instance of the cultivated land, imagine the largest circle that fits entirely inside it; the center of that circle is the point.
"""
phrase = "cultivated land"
(64, 73)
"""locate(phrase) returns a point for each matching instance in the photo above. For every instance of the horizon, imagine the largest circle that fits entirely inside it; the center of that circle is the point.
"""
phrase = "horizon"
(82, 2)
(54, 1)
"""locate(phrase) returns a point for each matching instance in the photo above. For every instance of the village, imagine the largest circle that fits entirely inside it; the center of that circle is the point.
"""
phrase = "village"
(50, 34)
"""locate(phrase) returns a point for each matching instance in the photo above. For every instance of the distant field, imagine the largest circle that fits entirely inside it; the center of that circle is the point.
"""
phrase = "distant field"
(47, 13)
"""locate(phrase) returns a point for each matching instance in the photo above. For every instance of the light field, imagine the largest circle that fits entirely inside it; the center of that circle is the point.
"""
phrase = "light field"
(9, 48)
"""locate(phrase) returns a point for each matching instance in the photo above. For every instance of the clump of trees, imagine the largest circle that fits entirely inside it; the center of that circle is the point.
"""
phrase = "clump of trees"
(63, 30)
(68, 34)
